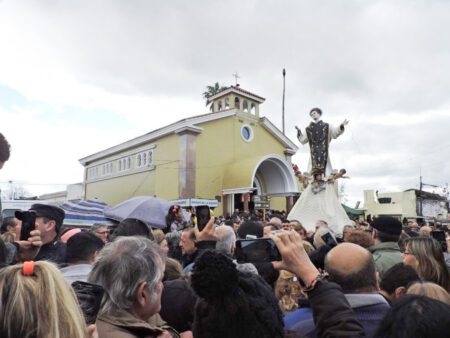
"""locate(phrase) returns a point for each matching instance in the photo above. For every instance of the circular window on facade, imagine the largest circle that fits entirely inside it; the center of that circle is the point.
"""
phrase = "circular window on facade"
(247, 133)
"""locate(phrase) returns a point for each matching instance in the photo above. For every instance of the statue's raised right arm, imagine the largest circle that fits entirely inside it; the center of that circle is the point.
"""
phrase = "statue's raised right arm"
(302, 138)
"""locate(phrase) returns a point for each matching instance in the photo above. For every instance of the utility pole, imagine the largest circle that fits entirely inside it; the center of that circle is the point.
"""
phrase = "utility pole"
(421, 185)
(284, 84)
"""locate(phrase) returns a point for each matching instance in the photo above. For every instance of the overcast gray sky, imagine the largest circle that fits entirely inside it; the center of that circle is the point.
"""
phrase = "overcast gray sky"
(79, 76)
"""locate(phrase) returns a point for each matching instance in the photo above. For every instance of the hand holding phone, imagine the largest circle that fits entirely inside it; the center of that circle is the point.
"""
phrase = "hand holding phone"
(30, 248)
(329, 240)
(295, 258)
(258, 250)
(203, 216)
(28, 219)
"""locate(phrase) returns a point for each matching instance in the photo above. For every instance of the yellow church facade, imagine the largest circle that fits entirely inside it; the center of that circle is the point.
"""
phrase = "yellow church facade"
(231, 156)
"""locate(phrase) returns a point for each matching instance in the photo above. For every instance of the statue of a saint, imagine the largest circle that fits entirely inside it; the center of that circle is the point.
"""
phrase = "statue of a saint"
(319, 199)
(319, 135)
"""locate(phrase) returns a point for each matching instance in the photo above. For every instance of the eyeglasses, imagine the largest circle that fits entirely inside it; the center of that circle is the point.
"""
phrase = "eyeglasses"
(103, 232)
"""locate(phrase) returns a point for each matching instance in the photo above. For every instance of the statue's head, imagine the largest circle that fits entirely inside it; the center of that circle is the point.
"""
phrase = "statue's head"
(315, 114)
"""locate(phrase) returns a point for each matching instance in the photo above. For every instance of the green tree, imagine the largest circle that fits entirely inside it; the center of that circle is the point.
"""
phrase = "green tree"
(212, 90)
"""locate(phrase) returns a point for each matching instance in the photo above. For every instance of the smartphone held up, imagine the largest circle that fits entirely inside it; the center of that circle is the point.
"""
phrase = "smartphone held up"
(28, 219)
(260, 250)
(203, 216)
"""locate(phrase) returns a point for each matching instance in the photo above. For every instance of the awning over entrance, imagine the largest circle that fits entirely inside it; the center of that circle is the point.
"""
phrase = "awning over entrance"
(271, 174)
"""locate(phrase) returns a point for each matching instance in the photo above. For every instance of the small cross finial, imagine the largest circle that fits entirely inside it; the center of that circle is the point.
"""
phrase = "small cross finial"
(236, 77)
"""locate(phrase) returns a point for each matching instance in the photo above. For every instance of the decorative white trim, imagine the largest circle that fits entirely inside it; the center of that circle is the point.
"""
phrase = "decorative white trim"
(285, 194)
(122, 173)
(192, 129)
(288, 173)
(250, 129)
(130, 152)
(156, 134)
(237, 191)
(269, 126)
(289, 152)
(248, 117)
(242, 92)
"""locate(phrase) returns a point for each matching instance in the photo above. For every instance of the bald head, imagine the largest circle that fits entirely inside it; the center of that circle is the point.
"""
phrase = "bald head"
(352, 267)
(425, 230)
(348, 258)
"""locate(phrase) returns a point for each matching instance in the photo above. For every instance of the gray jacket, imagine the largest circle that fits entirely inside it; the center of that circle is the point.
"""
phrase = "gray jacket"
(76, 272)
(385, 256)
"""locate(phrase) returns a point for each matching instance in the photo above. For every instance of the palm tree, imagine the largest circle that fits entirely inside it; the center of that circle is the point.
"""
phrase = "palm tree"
(212, 90)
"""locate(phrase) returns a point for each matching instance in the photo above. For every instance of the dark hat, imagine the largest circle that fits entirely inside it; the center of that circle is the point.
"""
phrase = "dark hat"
(48, 211)
(387, 225)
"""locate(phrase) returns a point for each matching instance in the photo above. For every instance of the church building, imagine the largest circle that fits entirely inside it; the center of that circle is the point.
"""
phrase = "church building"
(230, 156)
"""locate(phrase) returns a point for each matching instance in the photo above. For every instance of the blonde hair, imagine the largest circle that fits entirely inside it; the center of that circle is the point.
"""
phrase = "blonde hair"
(308, 247)
(159, 236)
(173, 270)
(430, 260)
(42, 305)
(287, 290)
(430, 290)
(8, 237)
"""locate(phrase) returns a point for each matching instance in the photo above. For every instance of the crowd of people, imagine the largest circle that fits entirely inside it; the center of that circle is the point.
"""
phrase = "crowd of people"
(383, 279)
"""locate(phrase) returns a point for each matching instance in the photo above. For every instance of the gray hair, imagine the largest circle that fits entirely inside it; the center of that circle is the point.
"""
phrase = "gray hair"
(124, 264)
(275, 221)
(226, 239)
(97, 226)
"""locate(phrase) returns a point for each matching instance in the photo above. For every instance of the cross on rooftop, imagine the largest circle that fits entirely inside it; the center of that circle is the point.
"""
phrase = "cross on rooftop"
(236, 77)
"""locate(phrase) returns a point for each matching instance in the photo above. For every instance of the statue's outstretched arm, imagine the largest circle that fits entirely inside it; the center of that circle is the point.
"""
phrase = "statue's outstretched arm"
(336, 132)
(303, 139)
(344, 123)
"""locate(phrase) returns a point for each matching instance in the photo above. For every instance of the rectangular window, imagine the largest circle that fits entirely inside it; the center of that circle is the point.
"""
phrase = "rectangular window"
(107, 169)
(124, 164)
(144, 159)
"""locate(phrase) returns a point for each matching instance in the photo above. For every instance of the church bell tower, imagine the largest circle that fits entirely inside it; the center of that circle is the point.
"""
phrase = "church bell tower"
(234, 97)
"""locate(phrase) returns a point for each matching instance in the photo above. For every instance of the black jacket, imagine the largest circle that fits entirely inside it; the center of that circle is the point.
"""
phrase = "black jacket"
(54, 251)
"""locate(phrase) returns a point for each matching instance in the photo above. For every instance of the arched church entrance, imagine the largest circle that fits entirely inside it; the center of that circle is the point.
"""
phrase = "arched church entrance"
(267, 177)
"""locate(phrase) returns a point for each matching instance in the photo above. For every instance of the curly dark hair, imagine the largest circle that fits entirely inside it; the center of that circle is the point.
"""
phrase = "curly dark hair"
(4, 149)
(232, 303)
